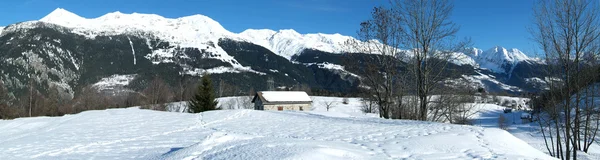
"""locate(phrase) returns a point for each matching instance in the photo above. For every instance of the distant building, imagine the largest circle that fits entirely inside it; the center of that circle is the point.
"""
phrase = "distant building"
(282, 100)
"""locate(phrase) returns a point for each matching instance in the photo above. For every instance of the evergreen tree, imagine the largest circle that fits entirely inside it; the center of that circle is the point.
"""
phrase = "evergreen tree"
(204, 100)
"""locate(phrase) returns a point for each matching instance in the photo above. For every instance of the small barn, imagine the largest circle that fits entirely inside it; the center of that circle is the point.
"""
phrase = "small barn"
(282, 100)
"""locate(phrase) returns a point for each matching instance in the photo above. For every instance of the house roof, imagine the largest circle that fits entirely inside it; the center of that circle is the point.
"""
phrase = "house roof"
(283, 96)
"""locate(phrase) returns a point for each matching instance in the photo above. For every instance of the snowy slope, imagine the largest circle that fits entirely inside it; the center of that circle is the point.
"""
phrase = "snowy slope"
(490, 83)
(1, 29)
(246, 134)
(114, 81)
(115, 84)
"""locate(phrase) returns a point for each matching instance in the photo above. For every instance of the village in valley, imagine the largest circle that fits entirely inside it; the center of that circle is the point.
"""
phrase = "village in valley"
(406, 82)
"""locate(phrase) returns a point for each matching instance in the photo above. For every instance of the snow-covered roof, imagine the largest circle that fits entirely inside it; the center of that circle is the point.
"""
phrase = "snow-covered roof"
(284, 96)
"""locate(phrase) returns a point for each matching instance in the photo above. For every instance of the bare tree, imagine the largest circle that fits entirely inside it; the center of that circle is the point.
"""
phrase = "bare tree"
(590, 123)
(456, 108)
(53, 102)
(565, 31)
(460, 101)
(368, 106)
(31, 94)
(183, 92)
(379, 73)
(463, 113)
(4, 95)
(428, 34)
(6, 111)
(400, 108)
(31, 102)
(190, 89)
(417, 31)
(88, 99)
(134, 99)
(157, 93)
(328, 104)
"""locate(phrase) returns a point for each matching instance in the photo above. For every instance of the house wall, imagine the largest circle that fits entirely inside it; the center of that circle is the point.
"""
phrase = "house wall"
(287, 107)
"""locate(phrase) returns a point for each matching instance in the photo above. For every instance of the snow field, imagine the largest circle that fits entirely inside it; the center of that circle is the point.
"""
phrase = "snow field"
(247, 134)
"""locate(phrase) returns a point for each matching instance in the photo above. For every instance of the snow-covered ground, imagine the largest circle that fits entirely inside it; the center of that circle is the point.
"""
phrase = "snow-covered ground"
(488, 115)
(343, 132)
(338, 108)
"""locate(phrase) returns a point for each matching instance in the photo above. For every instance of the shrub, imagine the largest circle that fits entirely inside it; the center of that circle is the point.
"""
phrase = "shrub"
(345, 101)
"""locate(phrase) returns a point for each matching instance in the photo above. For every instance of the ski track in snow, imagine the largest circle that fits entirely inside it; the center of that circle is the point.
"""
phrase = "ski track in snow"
(132, 51)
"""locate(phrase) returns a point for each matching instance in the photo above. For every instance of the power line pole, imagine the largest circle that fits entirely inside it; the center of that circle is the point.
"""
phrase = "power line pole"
(270, 84)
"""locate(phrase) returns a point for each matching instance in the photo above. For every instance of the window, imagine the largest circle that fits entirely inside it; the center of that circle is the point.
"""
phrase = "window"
(280, 108)
(301, 108)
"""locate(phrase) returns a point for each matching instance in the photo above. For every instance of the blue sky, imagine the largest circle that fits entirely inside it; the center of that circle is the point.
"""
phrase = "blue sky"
(488, 22)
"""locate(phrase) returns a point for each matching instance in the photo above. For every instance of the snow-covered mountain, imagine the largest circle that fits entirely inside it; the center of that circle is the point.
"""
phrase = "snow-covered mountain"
(499, 59)
(288, 43)
(505, 69)
(70, 51)
(197, 31)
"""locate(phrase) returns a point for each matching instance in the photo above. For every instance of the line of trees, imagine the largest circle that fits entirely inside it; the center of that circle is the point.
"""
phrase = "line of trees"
(155, 96)
(55, 103)
(568, 33)
(417, 41)
(416, 44)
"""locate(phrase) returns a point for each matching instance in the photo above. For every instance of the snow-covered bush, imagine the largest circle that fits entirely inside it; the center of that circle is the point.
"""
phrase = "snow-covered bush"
(345, 100)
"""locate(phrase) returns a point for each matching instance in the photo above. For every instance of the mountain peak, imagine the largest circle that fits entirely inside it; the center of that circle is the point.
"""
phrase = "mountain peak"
(499, 52)
(60, 14)
(289, 32)
(500, 49)
(497, 49)
(115, 14)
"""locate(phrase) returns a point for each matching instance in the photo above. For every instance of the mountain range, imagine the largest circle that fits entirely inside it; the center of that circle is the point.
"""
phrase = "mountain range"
(125, 51)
